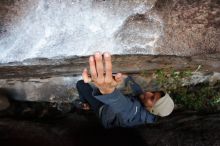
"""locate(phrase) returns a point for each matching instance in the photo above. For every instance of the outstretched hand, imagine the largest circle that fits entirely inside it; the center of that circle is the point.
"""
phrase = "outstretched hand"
(101, 73)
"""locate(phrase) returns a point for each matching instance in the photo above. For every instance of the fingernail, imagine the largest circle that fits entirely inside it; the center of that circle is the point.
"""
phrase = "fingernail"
(98, 56)
(107, 54)
(91, 58)
(97, 53)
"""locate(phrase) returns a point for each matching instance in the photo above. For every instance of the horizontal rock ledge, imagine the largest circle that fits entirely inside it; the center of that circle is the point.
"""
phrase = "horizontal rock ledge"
(129, 64)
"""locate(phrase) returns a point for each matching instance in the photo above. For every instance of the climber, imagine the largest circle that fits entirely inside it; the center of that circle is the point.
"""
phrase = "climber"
(98, 92)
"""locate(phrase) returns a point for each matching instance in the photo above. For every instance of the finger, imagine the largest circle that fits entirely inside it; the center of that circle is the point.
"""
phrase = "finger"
(92, 68)
(108, 67)
(118, 77)
(99, 65)
(85, 76)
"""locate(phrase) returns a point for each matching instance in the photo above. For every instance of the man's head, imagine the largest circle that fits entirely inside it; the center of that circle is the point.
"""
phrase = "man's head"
(158, 103)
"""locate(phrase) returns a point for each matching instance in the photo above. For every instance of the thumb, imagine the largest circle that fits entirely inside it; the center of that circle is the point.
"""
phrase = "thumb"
(85, 76)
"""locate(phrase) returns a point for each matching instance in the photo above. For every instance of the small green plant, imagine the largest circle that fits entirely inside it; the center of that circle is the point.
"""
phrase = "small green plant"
(204, 96)
(171, 80)
(196, 97)
(215, 100)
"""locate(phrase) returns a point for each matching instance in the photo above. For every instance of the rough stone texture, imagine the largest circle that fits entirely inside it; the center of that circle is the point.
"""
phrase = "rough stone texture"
(130, 64)
(50, 123)
(53, 79)
(181, 128)
(11, 11)
(53, 89)
(189, 25)
(187, 128)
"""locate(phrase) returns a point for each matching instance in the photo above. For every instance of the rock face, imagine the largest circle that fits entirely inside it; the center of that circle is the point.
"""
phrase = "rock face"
(190, 27)
(181, 128)
(48, 79)
(42, 28)
(129, 64)
(44, 88)
(50, 119)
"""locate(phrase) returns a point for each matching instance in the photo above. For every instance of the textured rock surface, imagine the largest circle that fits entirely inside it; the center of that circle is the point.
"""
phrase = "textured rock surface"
(182, 128)
(49, 79)
(42, 28)
(130, 64)
(179, 27)
(190, 27)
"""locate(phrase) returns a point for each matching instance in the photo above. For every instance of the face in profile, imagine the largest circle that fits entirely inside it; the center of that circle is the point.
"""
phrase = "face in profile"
(148, 99)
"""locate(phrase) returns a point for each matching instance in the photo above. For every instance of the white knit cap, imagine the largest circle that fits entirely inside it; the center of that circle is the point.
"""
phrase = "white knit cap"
(163, 107)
